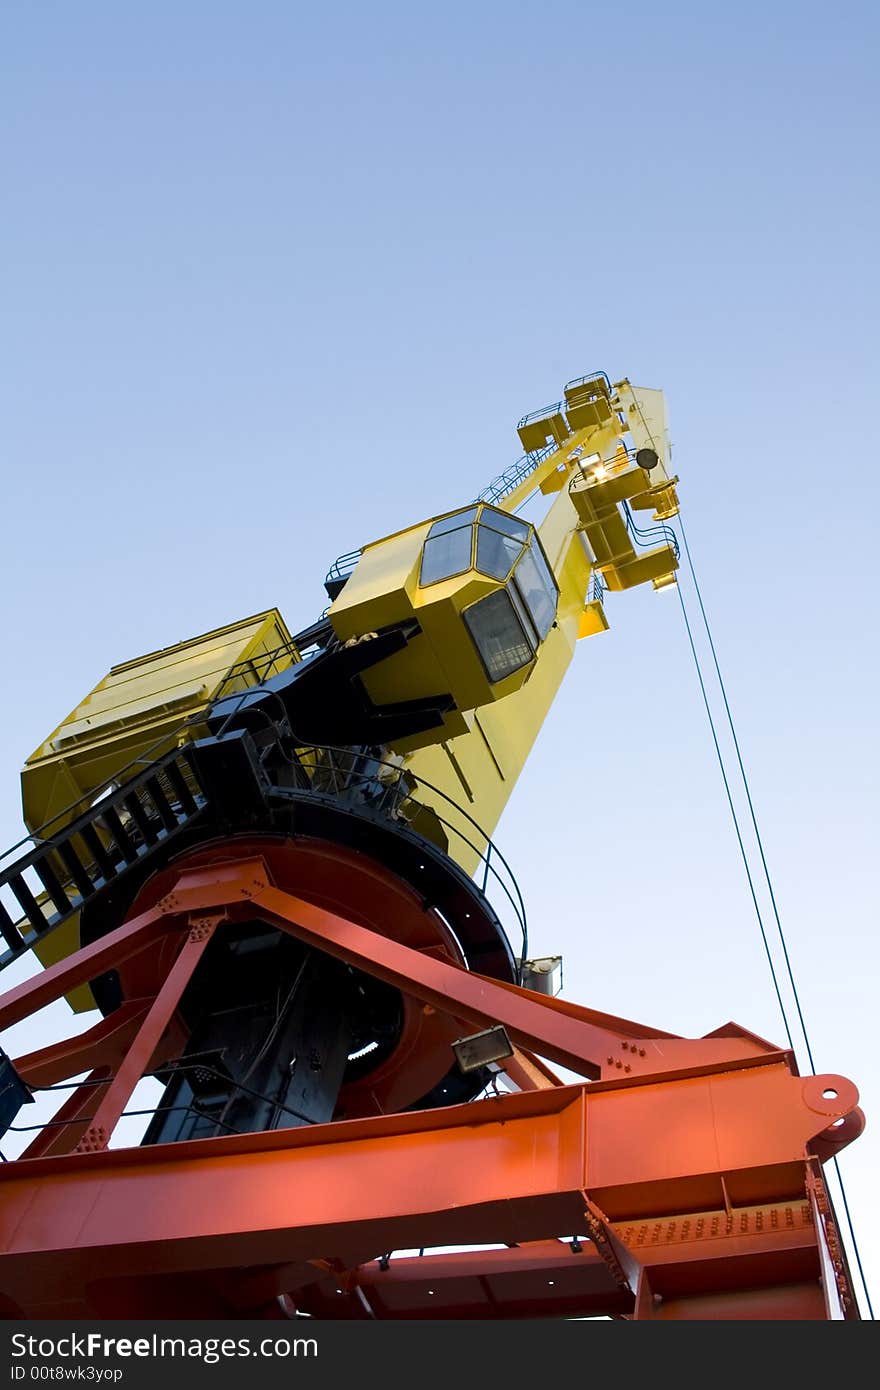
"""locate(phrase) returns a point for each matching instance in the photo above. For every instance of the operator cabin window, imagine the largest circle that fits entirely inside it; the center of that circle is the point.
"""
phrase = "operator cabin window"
(500, 541)
(508, 627)
(536, 587)
(498, 635)
(449, 547)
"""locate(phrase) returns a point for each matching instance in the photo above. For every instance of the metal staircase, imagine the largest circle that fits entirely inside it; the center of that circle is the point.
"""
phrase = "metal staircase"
(70, 869)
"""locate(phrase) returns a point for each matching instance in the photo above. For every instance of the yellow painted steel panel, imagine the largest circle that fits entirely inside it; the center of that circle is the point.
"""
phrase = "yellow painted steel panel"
(139, 704)
(137, 711)
(536, 433)
(593, 620)
(381, 588)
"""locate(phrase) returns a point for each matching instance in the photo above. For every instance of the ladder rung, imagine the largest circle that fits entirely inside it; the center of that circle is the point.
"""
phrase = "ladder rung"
(120, 834)
(92, 842)
(52, 884)
(160, 801)
(178, 782)
(29, 905)
(8, 931)
(76, 869)
(138, 812)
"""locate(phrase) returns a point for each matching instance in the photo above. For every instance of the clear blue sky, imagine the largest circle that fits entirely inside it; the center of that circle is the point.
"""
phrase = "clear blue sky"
(279, 279)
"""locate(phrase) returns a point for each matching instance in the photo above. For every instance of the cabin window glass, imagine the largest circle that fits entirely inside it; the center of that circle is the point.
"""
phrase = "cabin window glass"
(452, 523)
(498, 636)
(524, 616)
(537, 588)
(495, 552)
(446, 554)
(503, 521)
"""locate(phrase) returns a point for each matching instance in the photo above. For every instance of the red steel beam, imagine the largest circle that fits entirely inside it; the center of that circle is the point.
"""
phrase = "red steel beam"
(538, 1279)
(70, 1121)
(677, 1134)
(146, 1040)
(98, 1046)
(593, 1043)
(507, 1170)
(587, 1041)
(127, 940)
(528, 1072)
(567, 1034)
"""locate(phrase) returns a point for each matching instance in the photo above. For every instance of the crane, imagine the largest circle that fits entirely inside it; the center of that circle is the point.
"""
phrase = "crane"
(264, 858)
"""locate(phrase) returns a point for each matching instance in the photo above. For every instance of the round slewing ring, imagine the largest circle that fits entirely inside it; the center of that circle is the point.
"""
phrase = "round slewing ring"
(415, 1065)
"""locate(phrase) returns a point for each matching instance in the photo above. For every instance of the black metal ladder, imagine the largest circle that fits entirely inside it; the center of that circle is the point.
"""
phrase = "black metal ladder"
(120, 830)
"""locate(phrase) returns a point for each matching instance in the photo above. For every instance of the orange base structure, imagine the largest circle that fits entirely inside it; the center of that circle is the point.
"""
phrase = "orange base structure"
(683, 1180)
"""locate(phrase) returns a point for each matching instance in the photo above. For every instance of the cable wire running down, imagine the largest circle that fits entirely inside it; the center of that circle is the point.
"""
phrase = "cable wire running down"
(730, 802)
(765, 868)
(745, 782)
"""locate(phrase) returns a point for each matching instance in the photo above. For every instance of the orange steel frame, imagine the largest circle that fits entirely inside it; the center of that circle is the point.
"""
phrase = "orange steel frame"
(683, 1181)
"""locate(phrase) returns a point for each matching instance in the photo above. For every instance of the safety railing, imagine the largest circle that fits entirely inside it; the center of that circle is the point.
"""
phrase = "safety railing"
(390, 791)
(250, 672)
(508, 481)
(52, 872)
(120, 829)
(604, 390)
(201, 1111)
(342, 567)
(244, 675)
(542, 413)
(559, 407)
(173, 738)
(596, 590)
(593, 469)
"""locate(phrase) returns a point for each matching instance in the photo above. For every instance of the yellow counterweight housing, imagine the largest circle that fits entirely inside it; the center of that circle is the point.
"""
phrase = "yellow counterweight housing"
(140, 710)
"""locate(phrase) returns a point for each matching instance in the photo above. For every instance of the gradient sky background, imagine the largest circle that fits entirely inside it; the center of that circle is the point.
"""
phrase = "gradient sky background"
(280, 279)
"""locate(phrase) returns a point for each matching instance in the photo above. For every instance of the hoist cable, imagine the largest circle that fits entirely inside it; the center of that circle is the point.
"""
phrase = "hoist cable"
(742, 848)
(745, 782)
(746, 788)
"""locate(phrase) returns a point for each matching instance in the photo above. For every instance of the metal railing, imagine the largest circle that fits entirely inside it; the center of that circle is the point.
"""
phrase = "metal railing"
(380, 787)
(342, 567)
(173, 738)
(559, 407)
(544, 412)
(181, 734)
(591, 376)
(251, 671)
(38, 889)
(119, 830)
(193, 1107)
(642, 536)
(596, 590)
(508, 481)
(256, 669)
(595, 469)
(356, 777)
